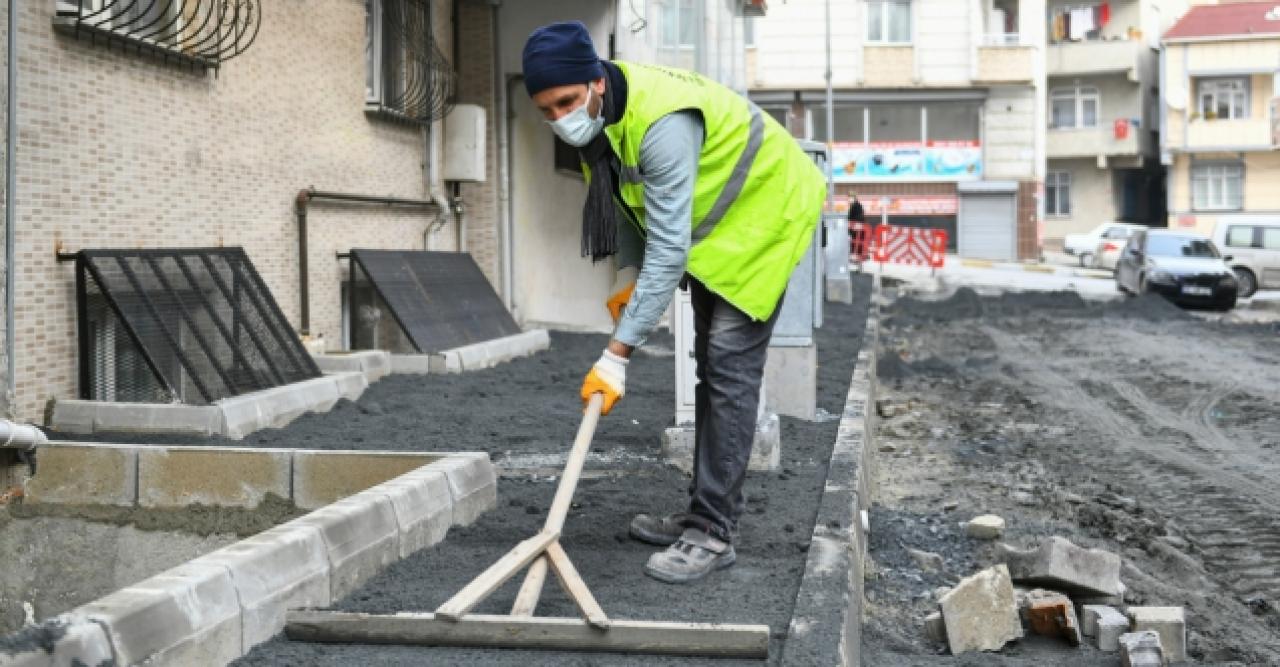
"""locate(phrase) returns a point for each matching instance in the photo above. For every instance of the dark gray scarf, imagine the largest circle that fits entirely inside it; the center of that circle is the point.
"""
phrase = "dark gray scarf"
(600, 213)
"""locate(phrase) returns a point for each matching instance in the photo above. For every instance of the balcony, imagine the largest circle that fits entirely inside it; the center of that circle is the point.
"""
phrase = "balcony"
(1004, 61)
(1246, 134)
(1095, 57)
(1091, 142)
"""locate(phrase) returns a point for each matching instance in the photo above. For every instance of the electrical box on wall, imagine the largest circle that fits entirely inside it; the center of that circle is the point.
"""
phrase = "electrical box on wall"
(464, 144)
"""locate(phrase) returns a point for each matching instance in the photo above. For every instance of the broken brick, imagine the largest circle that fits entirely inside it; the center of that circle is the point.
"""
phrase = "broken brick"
(1054, 617)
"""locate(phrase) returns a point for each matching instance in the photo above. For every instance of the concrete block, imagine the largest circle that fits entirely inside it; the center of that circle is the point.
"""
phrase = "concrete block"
(241, 415)
(934, 627)
(791, 374)
(1055, 617)
(189, 615)
(323, 477)
(766, 449)
(1168, 622)
(840, 290)
(227, 477)
(985, 527)
(373, 364)
(423, 507)
(1141, 649)
(980, 613)
(349, 385)
(286, 567)
(85, 475)
(1061, 565)
(414, 364)
(361, 537)
(472, 485)
(79, 642)
(72, 416)
(75, 416)
(1105, 625)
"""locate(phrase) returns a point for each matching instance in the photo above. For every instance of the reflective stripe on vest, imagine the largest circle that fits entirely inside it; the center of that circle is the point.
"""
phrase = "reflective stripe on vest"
(755, 136)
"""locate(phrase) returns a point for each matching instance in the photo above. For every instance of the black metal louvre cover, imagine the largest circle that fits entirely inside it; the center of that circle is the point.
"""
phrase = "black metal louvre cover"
(441, 300)
(194, 325)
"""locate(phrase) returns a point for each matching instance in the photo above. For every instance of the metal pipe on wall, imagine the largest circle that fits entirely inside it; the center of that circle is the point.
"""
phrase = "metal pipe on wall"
(11, 183)
(303, 198)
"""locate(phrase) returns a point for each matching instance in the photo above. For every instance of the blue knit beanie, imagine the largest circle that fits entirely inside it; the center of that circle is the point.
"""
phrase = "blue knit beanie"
(560, 54)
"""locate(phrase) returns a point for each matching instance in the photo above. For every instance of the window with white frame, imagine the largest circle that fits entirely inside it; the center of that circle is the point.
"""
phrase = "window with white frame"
(1075, 107)
(679, 24)
(889, 21)
(1057, 193)
(1223, 99)
(1217, 186)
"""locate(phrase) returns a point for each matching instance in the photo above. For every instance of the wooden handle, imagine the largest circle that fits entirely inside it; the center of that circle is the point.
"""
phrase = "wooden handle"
(573, 465)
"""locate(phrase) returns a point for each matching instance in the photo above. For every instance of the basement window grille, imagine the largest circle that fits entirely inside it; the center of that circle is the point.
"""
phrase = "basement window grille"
(407, 301)
(187, 325)
(198, 33)
(406, 76)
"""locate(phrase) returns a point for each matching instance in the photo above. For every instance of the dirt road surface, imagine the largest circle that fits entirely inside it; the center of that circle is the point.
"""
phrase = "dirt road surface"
(1129, 426)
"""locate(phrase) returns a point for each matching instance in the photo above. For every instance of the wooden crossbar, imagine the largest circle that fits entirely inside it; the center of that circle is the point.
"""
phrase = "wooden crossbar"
(495, 631)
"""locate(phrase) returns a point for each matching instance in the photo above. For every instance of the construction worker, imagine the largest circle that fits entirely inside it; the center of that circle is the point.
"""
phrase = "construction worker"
(688, 183)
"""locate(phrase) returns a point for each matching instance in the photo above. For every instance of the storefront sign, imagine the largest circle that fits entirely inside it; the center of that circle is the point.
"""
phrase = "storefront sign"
(906, 161)
(915, 205)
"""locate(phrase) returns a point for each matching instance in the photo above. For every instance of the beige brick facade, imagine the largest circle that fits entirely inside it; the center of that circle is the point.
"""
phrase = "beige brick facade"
(117, 150)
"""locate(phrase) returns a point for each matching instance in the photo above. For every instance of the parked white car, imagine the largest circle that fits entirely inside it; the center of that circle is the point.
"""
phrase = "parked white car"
(1253, 244)
(1112, 243)
(1085, 246)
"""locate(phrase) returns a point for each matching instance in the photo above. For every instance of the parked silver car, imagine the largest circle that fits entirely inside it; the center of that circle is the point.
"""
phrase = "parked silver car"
(1253, 242)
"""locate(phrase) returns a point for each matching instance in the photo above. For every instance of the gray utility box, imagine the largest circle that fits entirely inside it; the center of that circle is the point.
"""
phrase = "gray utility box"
(836, 237)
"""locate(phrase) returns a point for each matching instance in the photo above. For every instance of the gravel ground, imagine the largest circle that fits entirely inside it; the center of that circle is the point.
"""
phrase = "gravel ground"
(524, 415)
(1130, 426)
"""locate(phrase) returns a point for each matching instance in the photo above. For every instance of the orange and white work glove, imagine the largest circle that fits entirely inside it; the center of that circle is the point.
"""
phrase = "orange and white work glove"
(623, 285)
(609, 377)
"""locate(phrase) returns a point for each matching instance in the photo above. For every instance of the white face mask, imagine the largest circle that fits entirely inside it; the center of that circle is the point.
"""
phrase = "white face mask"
(578, 128)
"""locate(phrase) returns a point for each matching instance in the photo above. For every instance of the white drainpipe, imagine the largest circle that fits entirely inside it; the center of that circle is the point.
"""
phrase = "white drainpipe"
(20, 436)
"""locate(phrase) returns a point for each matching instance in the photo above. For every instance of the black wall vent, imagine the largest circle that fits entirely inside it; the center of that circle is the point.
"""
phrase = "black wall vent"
(189, 325)
(420, 301)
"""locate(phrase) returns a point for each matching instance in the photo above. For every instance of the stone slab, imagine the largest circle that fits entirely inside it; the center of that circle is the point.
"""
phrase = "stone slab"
(373, 364)
(490, 353)
(980, 612)
(766, 448)
(1141, 649)
(839, 290)
(1169, 622)
(473, 485)
(791, 374)
(350, 385)
(85, 475)
(423, 505)
(323, 477)
(187, 615)
(1061, 565)
(80, 642)
(1105, 625)
(412, 364)
(282, 568)
(361, 537)
(77, 416)
(221, 476)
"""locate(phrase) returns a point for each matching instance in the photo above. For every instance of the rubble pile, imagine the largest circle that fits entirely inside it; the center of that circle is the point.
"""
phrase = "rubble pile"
(1059, 590)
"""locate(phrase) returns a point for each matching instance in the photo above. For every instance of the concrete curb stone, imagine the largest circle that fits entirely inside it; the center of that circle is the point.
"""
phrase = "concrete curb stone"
(826, 623)
(361, 537)
(373, 364)
(82, 641)
(99, 475)
(472, 484)
(422, 517)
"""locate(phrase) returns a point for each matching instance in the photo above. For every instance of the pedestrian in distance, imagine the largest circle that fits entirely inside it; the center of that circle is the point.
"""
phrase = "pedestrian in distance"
(857, 230)
(689, 184)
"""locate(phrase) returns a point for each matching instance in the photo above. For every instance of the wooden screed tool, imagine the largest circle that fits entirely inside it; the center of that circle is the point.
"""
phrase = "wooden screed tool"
(453, 625)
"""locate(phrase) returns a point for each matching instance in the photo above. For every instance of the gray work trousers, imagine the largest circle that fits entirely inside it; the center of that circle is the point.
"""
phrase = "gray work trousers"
(730, 350)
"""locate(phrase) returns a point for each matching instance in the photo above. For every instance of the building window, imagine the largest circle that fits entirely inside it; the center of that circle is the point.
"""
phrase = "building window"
(406, 76)
(679, 24)
(1074, 108)
(1057, 193)
(1217, 187)
(1224, 99)
(889, 21)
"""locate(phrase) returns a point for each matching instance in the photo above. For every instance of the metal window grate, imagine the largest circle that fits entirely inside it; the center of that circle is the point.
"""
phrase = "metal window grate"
(199, 33)
(190, 325)
(420, 301)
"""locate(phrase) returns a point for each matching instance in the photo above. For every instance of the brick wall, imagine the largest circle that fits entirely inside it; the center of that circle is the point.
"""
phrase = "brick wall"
(475, 86)
(120, 150)
(1028, 227)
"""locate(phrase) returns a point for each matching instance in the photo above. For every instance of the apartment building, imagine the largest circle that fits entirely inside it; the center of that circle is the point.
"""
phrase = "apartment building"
(1220, 116)
(1102, 66)
(938, 109)
(179, 124)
